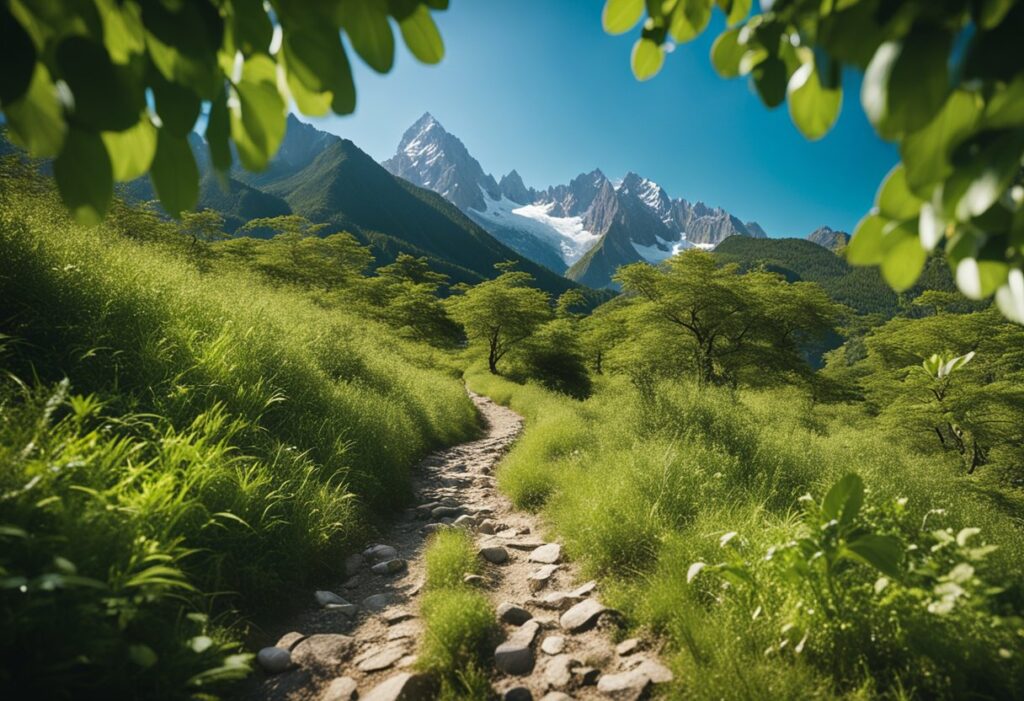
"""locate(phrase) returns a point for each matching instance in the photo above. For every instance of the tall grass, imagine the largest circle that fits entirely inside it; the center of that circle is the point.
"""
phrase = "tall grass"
(180, 448)
(640, 490)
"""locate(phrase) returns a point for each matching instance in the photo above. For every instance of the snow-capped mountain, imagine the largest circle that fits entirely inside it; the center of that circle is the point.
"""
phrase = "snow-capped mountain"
(585, 229)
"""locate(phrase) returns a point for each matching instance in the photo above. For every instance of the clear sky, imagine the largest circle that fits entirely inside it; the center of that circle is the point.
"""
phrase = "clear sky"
(537, 85)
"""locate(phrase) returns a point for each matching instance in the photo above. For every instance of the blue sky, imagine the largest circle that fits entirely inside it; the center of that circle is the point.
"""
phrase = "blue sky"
(536, 85)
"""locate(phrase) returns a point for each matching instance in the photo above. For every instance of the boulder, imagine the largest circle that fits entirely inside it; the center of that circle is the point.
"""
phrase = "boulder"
(274, 660)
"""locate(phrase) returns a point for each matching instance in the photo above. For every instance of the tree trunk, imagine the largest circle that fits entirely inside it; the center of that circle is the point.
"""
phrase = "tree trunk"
(492, 359)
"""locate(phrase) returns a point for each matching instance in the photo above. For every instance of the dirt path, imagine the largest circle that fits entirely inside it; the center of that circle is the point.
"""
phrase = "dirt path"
(558, 636)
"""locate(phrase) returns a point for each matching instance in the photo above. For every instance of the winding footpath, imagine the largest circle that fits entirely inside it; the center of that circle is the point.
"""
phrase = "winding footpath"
(360, 639)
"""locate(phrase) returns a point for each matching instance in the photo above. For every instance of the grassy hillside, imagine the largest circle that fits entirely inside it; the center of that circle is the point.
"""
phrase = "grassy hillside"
(180, 445)
(690, 506)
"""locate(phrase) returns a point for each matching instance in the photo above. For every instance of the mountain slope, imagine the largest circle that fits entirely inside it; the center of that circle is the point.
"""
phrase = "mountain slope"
(829, 238)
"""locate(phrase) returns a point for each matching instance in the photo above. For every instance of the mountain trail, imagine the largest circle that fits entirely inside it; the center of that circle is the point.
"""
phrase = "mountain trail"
(558, 640)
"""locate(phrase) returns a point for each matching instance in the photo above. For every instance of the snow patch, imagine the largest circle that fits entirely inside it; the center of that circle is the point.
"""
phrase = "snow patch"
(662, 250)
(565, 234)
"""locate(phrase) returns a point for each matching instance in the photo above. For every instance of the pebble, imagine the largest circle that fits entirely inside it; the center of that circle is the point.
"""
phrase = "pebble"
(404, 687)
(515, 655)
(556, 696)
(628, 647)
(547, 554)
(517, 693)
(340, 689)
(553, 645)
(328, 597)
(274, 660)
(515, 615)
(389, 566)
(582, 615)
(349, 610)
(625, 686)
(376, 602)
(495, 554)
(380, 552)
(474, 580)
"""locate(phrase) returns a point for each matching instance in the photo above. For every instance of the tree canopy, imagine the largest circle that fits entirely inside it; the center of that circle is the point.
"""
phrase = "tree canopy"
(943, 80)
(111, 89)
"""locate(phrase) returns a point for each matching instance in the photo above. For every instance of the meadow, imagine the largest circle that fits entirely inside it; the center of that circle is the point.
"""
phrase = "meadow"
(184, 447)
(704, 512)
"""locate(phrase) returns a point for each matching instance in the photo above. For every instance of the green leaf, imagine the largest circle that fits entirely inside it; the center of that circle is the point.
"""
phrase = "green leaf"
(727, 52)
(979, 183)
(174, 174)
(770, 79)
(866, 244)
(421, 36)
(926, 152)
(895, 200)
(1005, 108)
(1010, 297)
(177, 106)
(108, 97)
(142, 655)
(689, 19)
(123, 34)
(258, 119)
(17, 56)
(883, 552)
(738, 12)
(131, 151)
(36, 120)
(313, 104)
(907, 81)
(812, 108)
(250, 26)
(989, 13)
(84, 176)
(316, 58)
(367, 27)
(647, 59)
(978, 278)
(844, 499)
(182, 40)
(904, 258)
(620, 16)
(218, 133)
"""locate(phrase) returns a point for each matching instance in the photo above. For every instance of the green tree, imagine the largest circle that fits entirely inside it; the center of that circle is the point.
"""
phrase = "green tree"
(501, 313)
(943, 80)
(754, 324)
(205, 226)
(406, 291)
(76, 76)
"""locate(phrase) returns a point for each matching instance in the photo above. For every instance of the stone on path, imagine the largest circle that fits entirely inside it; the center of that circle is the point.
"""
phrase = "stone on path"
(525, 544)
(324, 651)
(553, 644)
(557, 600)
(584, 589)
(393, 616)
(494, 554)
(556, 696)
(558, 671)
(515, 655)
(474, 580)
(547, 554)
(377, 553)
(625, 686)
(348, 610)
(517, 693)
(464, 521)
(376, 602)
(487, 527)
(389, 566)
(628, 647)
(290, 640)
(328, 597)
(404, 687)
(274, 660)
(582, 615)
(382, 658)
(446, 511)
(539, 579)
(657, 672)
(340, 689)
(586, 676)
(515, 615)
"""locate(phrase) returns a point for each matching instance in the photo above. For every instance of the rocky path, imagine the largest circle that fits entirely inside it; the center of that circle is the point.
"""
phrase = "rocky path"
(360, 639)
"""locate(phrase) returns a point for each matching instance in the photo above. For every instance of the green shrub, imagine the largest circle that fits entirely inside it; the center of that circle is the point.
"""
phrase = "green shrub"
(450, 555)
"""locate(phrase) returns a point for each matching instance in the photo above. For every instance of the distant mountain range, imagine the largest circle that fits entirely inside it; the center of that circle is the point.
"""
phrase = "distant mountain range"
(829, 238)
(584, 230)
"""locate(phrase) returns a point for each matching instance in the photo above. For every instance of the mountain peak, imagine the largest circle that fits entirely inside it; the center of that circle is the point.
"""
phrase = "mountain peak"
(829, 238)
